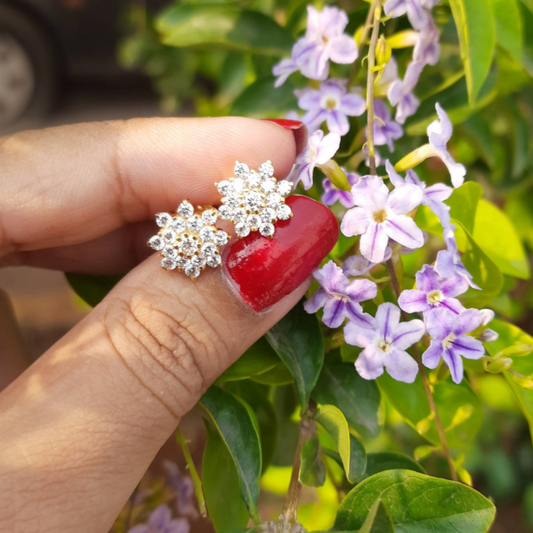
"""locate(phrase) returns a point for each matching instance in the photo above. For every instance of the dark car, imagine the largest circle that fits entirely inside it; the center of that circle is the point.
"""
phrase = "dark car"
(43, 42)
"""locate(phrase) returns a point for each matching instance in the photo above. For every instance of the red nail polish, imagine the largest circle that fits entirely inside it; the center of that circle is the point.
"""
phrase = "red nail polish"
(265, 270)
(298, 129)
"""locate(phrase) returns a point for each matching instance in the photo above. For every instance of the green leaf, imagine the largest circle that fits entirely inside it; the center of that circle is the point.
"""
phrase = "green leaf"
(496, 235)
(417, 503)
(352, 452)
(381, 461)
(475, 26)
(463, 204)
(508, 27)
(92, 289)
(258, 359)
(226, 507)
(378, 519)
(238, 431)
(312, 469)
(279, 375)
(459, 408)
(359, 399)
(223, 25)
(261, 99)
(298, 341)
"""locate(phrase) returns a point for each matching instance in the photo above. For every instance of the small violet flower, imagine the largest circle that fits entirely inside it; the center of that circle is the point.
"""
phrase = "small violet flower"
(433, 291)
(487, 335)
(183, 488)
(400, 92)
(332, 194)
(324, 41)
(439, 133)
(386, 131)
(340, 298)
(417, 15)
(161, 521)
(331, 103)
(385, 344)
(381, 215)
(449, 262)
(450, 340)
(427, 47)
(319, 150)
(433, 196)
(357, 265)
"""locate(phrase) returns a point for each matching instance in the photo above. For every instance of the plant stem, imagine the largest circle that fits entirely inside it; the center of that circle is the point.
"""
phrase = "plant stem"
(425, 381)
(182, 441)
(376, 10)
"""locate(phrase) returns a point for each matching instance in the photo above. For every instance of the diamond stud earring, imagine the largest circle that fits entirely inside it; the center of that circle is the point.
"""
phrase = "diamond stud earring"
(189, 240)
(254, 200)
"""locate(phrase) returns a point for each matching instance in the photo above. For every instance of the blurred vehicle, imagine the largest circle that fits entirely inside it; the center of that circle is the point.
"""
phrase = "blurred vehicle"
(46, 42)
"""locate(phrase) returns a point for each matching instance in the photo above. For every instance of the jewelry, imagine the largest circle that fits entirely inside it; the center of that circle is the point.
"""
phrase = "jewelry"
(189, 240)
(254, 200)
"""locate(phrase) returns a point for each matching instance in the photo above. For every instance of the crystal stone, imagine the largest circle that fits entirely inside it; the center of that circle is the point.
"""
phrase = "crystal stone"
(253, 201)
(210, 216)
(240, 170)
(170, 251)
(238, 185)
(268, 186)
(225, 212)
(232, 199)
(185, 209)
(273, 200)
(163, 220)
(168, 263)
(214, 260)
(239, 214)
(266, 169)
(242, 229)
(179, 225)
(284, 212)
(168, 235)
(221, 238)
(188, 245)
(195, 224)
(267, 214)
(209, 248)
(198, 261)
(156, 243)
(224, 187)
(266, 230)
(284, 187)
(207, 234)
(191, 270)
(254, 221)
(253, 179)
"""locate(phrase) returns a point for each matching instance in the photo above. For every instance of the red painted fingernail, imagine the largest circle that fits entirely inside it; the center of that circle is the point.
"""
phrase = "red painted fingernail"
(265, 270)
(299, 130)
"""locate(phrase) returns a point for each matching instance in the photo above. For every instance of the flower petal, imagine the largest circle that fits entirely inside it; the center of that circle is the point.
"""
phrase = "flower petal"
(357, 335)
(283, 70)
(317, 301)
(305, 175)
(401, 366)
(439, 192)
(404, 199)
(408, 333)
(394, 92)
(418, 17)
(427, 279)
(160, 518)
(331, 277)
(468, 347)
(342, 49)
(453, 286)
(141, 528)
(387, 320)
(328, 148)
(370, 362)
(456, 170)
(355, 222)
(455, 364)
(370, 192)
(444, 264)
(309, 100)
(373, 242)
(352, 105)
(178, 525)
(439, 323)
(441, 128)
(355, 313)
(337, 122)
(413, 301)
(394, 177)
(396, 8)
(334, 313)
(361, 290)
(432, 355)
(466, 322)
(403, 230)
(454, 305)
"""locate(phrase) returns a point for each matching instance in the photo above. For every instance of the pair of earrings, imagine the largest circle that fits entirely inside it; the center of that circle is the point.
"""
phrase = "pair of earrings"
(252, 200)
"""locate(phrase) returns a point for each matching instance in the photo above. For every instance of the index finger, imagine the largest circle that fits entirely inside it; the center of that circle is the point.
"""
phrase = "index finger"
(71, 184)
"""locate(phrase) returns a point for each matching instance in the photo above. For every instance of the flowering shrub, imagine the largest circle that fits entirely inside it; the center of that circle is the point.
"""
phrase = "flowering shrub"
(399, 323)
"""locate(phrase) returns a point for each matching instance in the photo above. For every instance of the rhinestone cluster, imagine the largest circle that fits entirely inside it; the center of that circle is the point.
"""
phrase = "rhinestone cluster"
(189, 241)
(254, 200)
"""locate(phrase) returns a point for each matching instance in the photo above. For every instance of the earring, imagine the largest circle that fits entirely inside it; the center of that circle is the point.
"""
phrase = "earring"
(188, 240)
(254, 200)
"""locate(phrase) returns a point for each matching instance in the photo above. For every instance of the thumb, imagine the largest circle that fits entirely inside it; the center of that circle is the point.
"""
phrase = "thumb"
(84, 423)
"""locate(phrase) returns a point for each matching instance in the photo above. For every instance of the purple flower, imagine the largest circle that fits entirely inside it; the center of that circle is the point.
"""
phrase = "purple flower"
(339, 297)
(331, 103)
(284, 69)
(487, 335)
(319, 150)
(401, 95)
(439, 133)
(417, 15)
(449, 262)
(381, 215)
(385, 130)
(357, 265)
(332, 194)
(385, 344)
(160, 521)
(427, 47)
(324, 40)
(433, 291)
(183, 488)
(433, 196)
(449, 340)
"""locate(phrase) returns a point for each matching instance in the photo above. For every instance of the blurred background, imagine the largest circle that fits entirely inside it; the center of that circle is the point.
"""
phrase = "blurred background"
(69, 61)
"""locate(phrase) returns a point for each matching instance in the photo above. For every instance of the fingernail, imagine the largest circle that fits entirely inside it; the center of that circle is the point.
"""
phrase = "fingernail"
(299, 130)
(265, 270)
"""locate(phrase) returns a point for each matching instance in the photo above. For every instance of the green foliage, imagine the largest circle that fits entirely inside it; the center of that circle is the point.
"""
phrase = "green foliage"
(92, 289)
(381, 461)
(416, 503)
(378, 519)
(312, 469)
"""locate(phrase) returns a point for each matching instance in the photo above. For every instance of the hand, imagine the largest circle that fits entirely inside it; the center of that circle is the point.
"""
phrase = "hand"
(82, 424)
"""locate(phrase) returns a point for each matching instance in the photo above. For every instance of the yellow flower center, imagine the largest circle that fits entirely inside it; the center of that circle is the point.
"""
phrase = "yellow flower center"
(447, 342)
(435, 297)
(380, 216)
(331, 104)
(384, 346)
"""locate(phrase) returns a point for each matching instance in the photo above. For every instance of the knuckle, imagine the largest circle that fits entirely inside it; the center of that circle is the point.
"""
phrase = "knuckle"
(172, 355)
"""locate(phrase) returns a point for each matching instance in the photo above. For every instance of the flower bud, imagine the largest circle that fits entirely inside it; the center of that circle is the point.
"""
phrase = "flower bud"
(487, 335)
(336, 175)
(358, 35)
(526, 382)
(403, 39)
(517, 350)
(415, 158)
(383, 52)
(496, 365)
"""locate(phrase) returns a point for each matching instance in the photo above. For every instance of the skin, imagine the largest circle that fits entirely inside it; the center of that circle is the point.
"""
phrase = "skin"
(81, 425)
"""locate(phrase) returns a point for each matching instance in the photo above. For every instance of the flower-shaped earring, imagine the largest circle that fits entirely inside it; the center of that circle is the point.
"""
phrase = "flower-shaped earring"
(254, 200)
(189, 241)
